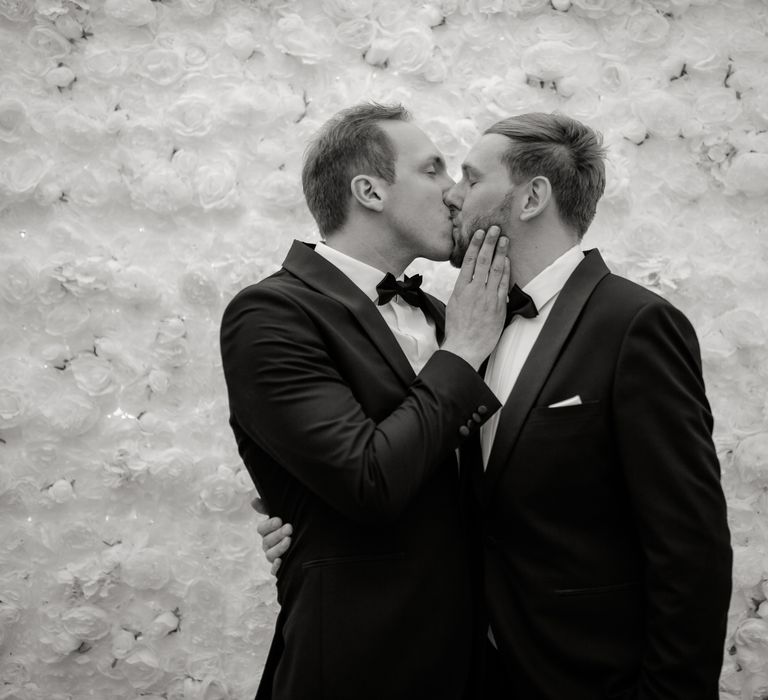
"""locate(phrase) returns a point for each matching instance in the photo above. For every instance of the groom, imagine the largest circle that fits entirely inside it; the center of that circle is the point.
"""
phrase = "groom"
(605, 549)
(348, 415)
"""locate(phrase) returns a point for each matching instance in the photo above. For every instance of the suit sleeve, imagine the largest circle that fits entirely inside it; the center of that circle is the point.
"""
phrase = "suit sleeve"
(664, 426)
(287, 395)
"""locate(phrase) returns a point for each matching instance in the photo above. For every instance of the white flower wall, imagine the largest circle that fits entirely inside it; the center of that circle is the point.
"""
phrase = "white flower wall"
(150, 155)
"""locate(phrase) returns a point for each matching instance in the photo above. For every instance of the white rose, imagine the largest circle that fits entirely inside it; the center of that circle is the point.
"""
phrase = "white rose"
(717, 106)
(96, 185)
(751, 459)
(751, 641)
(196, 55)
(219, 493)
(134, 13)
(78, 131)
(529, 7)
(21, 173)
(158, 381)
(281, 189)
(411, 50)
(171, 329)
(84, 276)
(662, 113)
(60, 77)
(192, 115)
(70, 413)
(216, 185)
(123, 643)
(161, 66)
(104, 66)
(748, 566)
(198, 288)
(748, 174)
(146, 569)
(242, 43)
(379, 50)
(163, 625)
(61, 491)
(86, 622)
(49, 42)
(648, 29)
(356, 33)
(391, 13)
(161, 190)
(135, 285)
(550, 60)
(141, 668)
(13, 118)
(69, 27)
(595, 9)
(12, 409)
(312, 43)
(66, 318)
(198, 8)
(18, 282)
(17, 10)
(92, 374)
(348, 9)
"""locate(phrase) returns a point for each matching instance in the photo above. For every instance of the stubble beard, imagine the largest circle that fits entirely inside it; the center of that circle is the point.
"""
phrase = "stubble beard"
(499, 216)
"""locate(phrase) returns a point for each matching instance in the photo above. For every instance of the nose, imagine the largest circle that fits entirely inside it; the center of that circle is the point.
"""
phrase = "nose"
(453, 197)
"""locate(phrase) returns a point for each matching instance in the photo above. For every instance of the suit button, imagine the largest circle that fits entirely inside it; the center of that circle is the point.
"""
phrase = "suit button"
(482, 409)
(464, 431)
(477, 418)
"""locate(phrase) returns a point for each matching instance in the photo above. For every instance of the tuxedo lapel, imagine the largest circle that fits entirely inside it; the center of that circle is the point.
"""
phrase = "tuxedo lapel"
(318, 273)
(541, 360)
(437, 312)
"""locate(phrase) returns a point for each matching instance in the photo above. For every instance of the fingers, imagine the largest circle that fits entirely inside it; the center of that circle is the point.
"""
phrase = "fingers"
(503, 290)
(268, 526)
(276, 566)
(486, 254)
(468, 264)
(274, 553)
(258, 505)
(497, 265)
(275, 538)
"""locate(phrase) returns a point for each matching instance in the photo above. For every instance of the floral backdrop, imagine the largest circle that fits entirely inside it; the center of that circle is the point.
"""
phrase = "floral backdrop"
(149, 168)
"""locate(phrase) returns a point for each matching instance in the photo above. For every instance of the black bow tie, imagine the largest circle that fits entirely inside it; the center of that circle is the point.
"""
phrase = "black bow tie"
(409, 290)
(519, 304)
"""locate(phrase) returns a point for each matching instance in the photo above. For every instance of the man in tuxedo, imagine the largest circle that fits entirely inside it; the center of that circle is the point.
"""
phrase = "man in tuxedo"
(348, 414)
(606, 559)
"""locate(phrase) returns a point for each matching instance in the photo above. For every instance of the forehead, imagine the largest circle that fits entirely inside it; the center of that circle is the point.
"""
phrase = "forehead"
(410, 142)
(485, 156)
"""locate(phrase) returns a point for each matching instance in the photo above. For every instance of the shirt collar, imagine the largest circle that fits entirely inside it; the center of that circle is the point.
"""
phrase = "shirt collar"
(548, 283)
(362, 274)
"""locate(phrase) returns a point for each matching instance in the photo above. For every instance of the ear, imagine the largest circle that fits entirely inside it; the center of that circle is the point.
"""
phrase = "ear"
(368, 191)
(537, 195)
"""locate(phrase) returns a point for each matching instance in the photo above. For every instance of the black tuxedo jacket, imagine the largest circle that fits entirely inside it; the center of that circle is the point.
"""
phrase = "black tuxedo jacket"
(607, 552)
(343, 440)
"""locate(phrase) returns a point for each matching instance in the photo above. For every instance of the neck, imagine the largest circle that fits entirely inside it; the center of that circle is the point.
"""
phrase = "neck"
(374, 248)
(534, 252)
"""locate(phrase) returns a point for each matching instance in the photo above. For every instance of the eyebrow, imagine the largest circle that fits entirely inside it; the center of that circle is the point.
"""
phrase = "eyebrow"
(468, 170)
(435, 160)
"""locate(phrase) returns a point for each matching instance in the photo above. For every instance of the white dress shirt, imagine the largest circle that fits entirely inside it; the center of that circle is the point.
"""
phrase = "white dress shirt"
(414, 332)
(514, 346)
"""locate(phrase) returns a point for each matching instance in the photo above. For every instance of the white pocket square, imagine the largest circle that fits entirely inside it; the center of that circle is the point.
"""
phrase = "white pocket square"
(573, 401)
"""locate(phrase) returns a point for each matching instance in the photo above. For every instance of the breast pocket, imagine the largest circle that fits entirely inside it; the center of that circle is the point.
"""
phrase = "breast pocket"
(563, 420)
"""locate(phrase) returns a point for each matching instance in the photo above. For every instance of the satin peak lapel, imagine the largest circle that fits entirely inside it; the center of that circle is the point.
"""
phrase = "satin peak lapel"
(541, 360)
(318, 273)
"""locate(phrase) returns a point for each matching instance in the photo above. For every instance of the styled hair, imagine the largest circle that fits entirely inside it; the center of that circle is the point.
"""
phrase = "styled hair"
(350, 143)
(568, 153)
